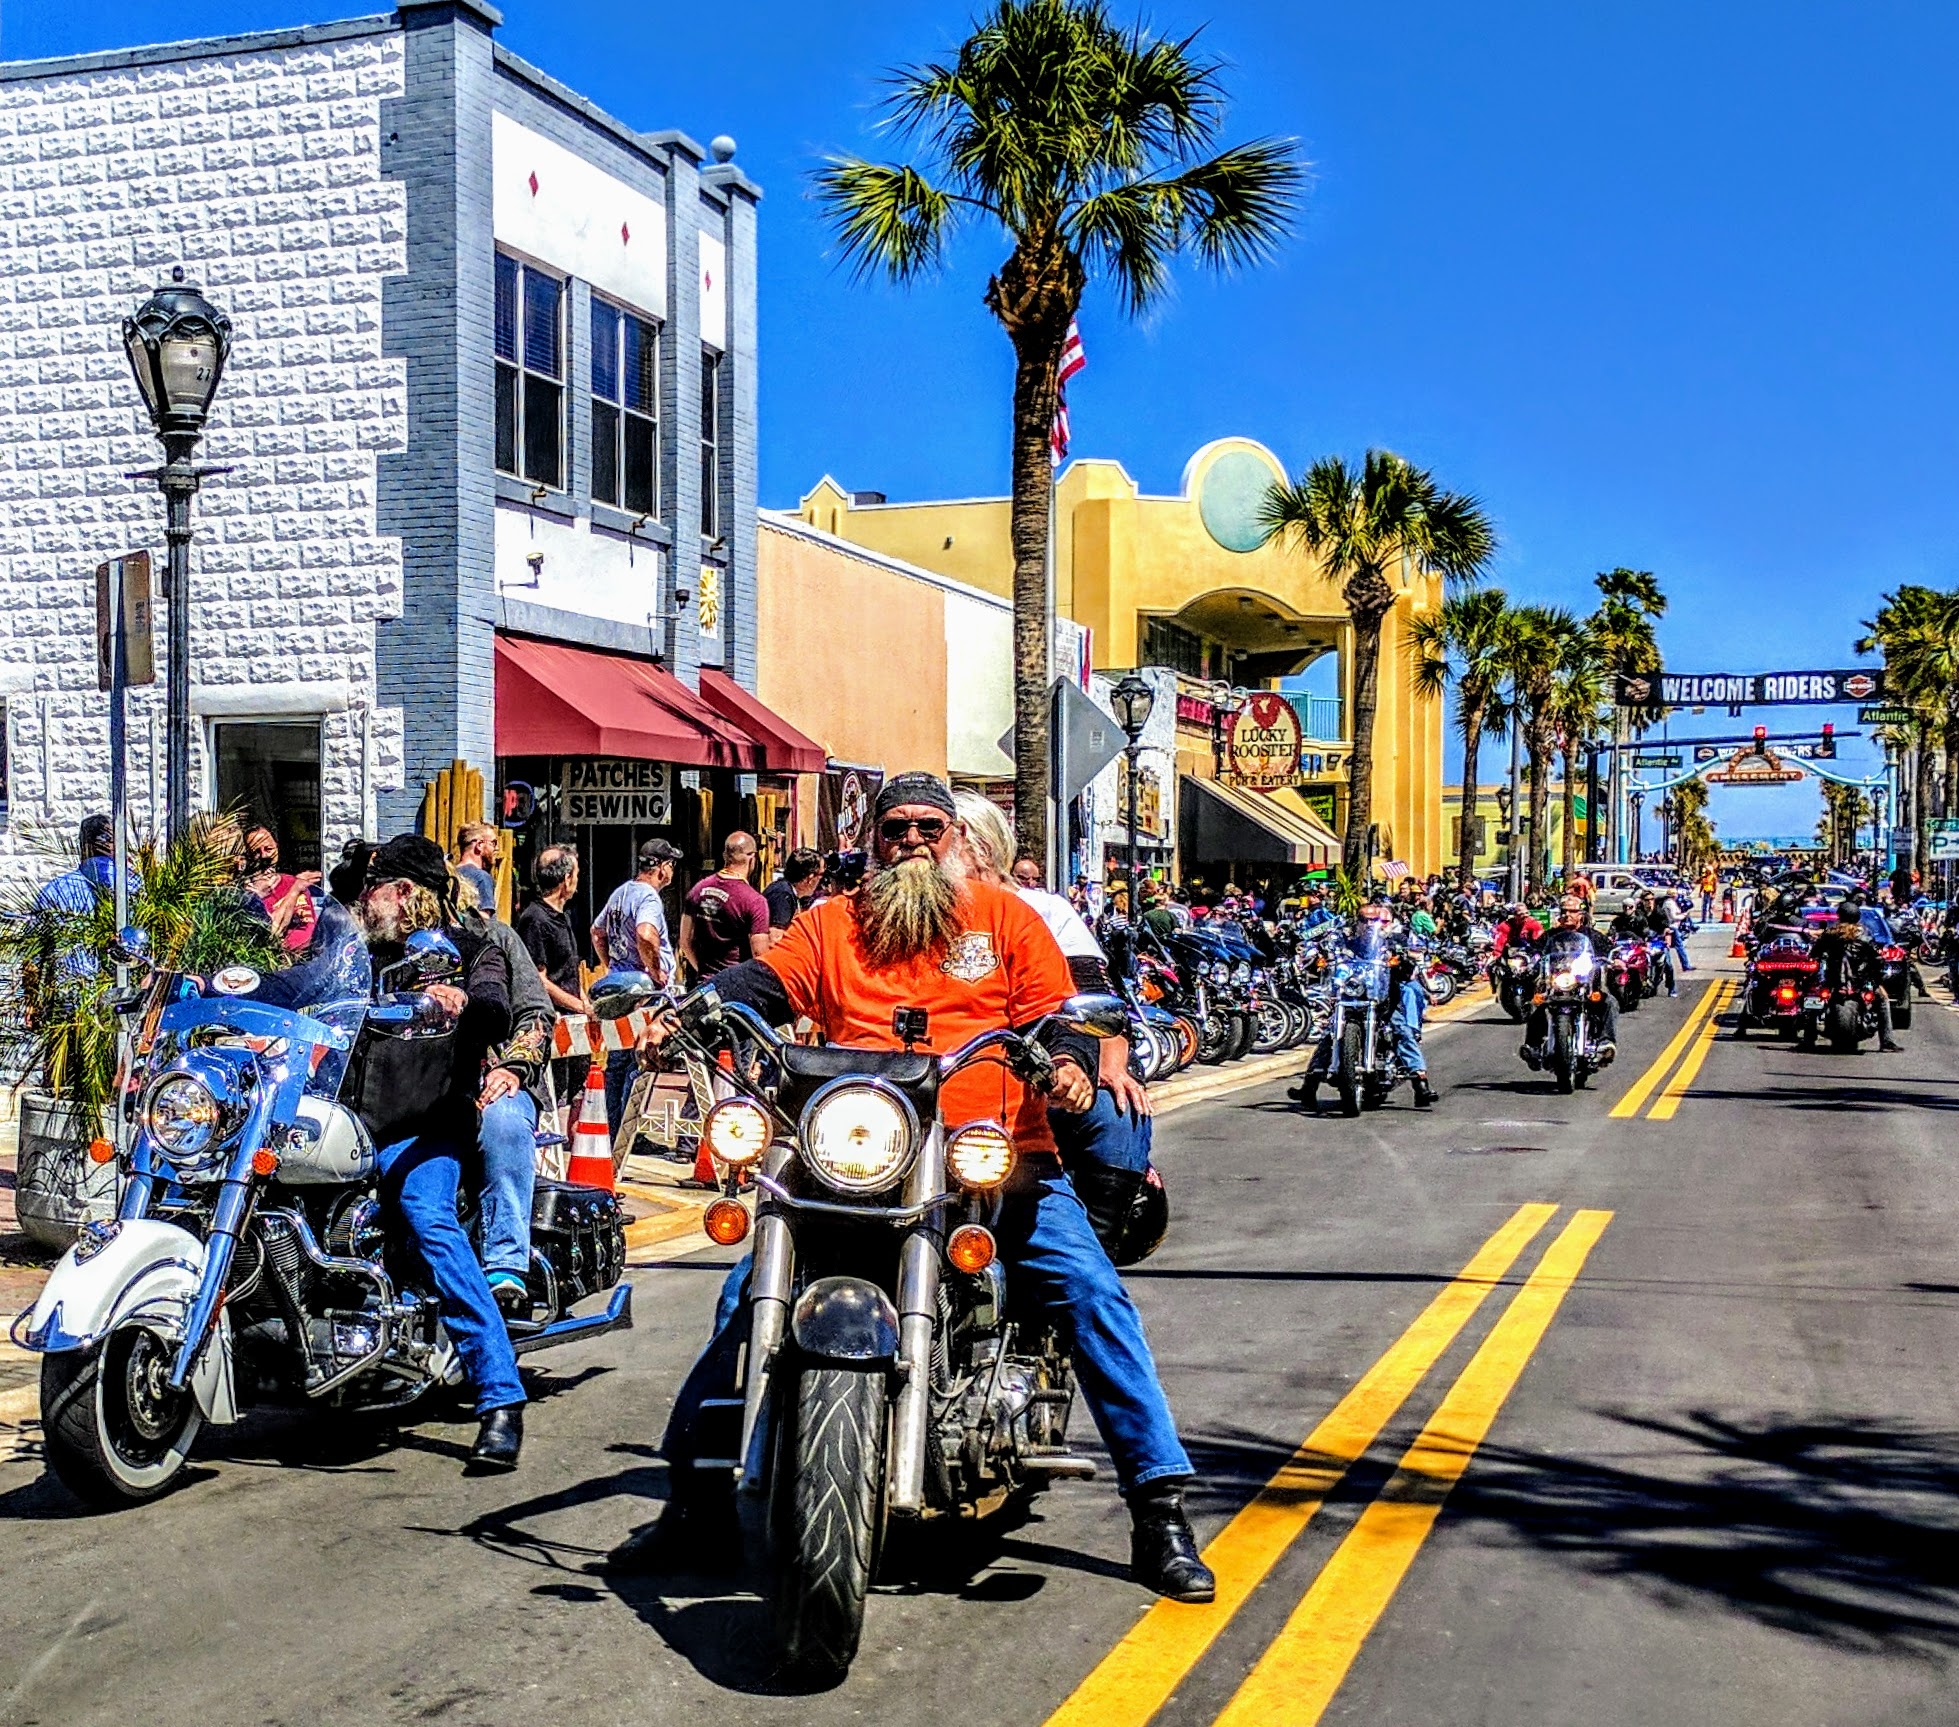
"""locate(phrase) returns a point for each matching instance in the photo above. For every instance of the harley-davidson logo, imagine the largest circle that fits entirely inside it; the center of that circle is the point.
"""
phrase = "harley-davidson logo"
(971, 957)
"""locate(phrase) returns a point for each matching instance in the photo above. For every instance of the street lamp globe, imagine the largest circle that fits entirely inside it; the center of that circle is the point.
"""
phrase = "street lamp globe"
(1133, 700)
(177, 343)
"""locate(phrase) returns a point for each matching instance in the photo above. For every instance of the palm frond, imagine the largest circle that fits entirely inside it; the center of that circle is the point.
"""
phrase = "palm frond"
(890, 220)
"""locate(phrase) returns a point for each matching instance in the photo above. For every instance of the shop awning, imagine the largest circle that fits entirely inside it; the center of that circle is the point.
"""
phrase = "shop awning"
(554, 700)
(1221, 824)
(785, 750)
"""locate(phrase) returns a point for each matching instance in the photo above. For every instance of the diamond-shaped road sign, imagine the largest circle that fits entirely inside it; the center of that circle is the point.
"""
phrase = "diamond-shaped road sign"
(1086, 739)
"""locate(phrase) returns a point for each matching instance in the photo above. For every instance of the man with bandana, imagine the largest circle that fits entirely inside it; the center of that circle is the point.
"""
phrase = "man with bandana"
(976, 957)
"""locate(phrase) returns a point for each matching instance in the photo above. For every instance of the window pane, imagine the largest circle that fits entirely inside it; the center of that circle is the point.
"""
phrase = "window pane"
(639, 443)
(507, 419)
(642, 356)
(543, 439)
(506, 319)
(710, 393)
(605, 452)
(710, 486)
(541, 298)
(605, 351)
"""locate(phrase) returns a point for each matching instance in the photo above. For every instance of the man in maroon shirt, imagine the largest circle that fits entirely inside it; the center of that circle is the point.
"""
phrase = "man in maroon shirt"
(724, 920)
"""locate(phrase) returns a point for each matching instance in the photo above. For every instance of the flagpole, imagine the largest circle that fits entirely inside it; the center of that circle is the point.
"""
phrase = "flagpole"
(1056, 814)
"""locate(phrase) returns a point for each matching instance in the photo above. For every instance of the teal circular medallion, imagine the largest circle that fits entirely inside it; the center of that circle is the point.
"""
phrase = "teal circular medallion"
(1230, 498)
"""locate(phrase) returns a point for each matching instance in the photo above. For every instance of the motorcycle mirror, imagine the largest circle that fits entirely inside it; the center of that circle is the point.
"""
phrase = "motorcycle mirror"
(131, 946)
(433, 955)
(1098, 1015)
(700, 1013)
(619, 993)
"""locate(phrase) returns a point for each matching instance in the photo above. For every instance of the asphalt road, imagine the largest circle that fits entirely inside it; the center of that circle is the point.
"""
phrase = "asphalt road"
(1684, 1448)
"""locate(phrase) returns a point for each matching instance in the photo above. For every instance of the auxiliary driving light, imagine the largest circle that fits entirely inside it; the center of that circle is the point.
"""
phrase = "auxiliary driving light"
(737, 1131)
(970, 1248)
(726, 1222)
(980, 1156)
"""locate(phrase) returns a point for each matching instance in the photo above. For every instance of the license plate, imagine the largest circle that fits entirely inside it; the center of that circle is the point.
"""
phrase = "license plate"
(1812, 1004)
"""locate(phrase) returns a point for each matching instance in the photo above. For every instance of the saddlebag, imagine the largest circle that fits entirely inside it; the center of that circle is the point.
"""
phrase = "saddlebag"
(581, 1232)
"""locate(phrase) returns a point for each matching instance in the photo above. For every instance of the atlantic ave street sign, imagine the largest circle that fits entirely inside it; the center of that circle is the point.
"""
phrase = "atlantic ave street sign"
(1748, 689)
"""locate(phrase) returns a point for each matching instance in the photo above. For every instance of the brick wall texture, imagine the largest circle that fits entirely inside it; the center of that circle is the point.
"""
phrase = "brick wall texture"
(261, 174)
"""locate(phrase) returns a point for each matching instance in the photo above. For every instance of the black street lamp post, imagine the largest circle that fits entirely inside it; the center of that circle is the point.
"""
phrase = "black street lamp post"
(1133, 700)
(178, 343)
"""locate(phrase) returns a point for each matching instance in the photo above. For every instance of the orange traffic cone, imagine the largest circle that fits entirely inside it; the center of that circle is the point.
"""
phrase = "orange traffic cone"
(590, 1164)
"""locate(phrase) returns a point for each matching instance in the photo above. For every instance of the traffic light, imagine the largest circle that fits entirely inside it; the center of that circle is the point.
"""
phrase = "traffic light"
(1761, 740)
(1827, 749)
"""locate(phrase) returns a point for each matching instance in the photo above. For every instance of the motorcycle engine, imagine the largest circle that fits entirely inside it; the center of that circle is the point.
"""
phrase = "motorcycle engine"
(355, 1230)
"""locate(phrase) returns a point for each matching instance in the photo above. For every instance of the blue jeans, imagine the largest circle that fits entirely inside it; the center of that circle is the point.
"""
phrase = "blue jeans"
(1406, 1025)
(1045, 1239)
(1106, 1134)
(620, 1068)
(419, 1182)
(1679, 943)
(507, 1138)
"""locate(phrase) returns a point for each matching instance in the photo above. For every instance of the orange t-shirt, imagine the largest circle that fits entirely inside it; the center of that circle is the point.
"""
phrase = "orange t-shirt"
(1003, 969)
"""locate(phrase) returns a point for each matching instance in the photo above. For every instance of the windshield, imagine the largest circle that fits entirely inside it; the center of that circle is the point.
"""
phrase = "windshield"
(1876, 927)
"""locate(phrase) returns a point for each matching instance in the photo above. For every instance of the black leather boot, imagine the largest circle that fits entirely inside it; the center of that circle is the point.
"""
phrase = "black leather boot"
(1424, 1092)
(498, 1440)
(1162, 1549)
(1106, 1194)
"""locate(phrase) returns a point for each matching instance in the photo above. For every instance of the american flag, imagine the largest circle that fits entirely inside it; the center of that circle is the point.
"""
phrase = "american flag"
(1073, 358)
(1394, 869)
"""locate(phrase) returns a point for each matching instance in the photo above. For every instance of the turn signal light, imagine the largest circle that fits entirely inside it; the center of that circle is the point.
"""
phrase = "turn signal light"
(265, 1162)
(101, 1150)
(726, 1222)
(970, 1248)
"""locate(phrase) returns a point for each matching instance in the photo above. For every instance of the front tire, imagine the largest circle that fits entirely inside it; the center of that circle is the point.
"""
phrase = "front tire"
(829, 1517)
(1441, 987)
(1353, 1051)
(1563, 1062)
(1901, 1014)
(115, 1433)
(1271, 1028)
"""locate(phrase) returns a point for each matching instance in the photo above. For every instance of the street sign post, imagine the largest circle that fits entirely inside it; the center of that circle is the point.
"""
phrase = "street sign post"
(1657, 761)
(1086, 739)
(123, 656)
(1884, 716)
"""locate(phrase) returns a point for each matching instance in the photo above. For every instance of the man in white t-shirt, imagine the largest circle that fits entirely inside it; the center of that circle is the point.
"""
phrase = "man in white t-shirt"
(630, 934)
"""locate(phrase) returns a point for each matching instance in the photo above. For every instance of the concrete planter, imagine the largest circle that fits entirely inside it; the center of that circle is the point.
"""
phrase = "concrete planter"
(56, 1187)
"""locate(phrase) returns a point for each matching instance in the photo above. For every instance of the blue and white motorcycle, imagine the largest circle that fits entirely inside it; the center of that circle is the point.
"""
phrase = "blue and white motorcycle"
(249, 1261)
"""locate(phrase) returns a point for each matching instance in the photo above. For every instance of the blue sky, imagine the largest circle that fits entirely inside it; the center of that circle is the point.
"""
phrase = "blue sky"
(1669, 286)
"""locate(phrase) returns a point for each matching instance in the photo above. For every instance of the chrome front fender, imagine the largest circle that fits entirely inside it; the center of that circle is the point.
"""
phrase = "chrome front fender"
(126, 1270)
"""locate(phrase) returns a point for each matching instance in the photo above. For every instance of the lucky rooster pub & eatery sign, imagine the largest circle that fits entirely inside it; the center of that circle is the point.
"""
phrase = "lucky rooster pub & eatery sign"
(1262, 743)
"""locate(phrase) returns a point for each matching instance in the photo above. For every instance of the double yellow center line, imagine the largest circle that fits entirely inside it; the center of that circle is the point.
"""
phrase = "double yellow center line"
(1694, 1038)
(1300, 1672)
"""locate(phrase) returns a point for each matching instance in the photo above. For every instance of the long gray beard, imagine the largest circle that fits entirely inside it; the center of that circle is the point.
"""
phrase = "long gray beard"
(910, 910)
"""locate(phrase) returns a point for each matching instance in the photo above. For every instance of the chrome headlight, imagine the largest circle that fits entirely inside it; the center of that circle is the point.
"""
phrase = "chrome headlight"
(1564, 980)
(859, 1135)
(1581, 965)
(1242, 972)
(187, 1122)
(980, 1156)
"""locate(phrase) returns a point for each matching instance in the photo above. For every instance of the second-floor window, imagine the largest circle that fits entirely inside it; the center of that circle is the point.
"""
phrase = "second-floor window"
(530, 323)
(625, 411)
(710, 444)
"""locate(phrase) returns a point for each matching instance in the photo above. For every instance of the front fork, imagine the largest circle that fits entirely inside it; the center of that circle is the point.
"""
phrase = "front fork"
(228, 1220)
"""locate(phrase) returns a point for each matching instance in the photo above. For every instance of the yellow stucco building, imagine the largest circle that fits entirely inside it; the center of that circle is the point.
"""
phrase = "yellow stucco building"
(1189, 582)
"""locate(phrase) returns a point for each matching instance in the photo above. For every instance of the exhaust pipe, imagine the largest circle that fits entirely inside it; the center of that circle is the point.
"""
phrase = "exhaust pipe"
(618, 1316)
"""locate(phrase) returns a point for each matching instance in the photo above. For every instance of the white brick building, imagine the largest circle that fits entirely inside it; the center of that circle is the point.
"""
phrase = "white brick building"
(261, 175)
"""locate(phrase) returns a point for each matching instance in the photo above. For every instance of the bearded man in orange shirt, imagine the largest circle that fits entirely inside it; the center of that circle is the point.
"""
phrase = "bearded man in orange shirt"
(976, 957)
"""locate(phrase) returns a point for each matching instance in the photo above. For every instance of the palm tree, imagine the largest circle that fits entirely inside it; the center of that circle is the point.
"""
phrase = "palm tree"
(1464, 642)
(1087, 144)
(1694, 833)
(1577, 695)
(1366, 525)
(1628, 646)
(1540, 641)
(1917, 631)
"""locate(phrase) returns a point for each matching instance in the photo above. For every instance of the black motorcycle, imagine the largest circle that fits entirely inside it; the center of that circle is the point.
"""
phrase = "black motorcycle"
(888, 1372)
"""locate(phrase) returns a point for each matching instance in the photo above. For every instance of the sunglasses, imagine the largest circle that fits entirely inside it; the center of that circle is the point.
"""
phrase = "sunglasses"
(893, 829)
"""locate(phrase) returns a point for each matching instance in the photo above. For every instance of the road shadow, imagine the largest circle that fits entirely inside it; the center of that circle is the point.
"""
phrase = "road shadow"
(1835, 1097)
(1842, 1530)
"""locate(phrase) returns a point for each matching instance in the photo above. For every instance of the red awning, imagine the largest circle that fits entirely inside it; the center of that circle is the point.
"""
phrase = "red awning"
(787, 751)
(554, 700)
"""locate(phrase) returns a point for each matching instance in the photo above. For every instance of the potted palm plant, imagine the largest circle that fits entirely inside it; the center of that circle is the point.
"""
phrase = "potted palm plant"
(58, 1027)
